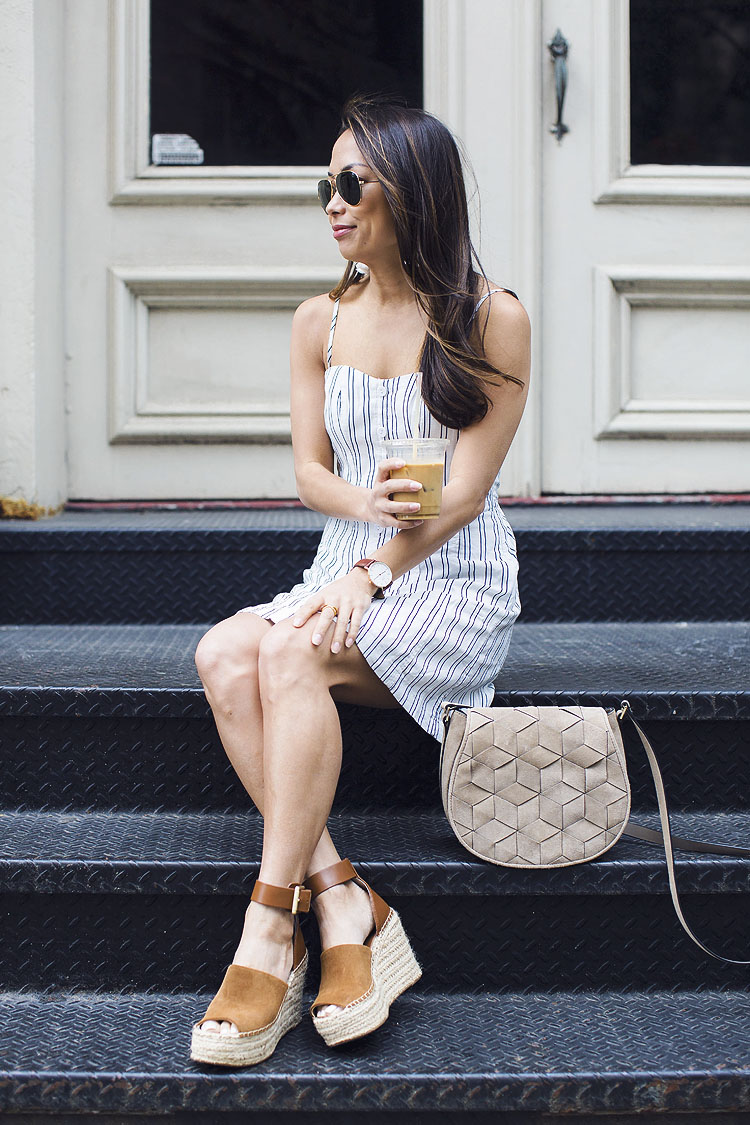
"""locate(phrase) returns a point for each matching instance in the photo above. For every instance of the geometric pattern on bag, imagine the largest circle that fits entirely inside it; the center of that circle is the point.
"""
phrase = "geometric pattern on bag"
(535, 786)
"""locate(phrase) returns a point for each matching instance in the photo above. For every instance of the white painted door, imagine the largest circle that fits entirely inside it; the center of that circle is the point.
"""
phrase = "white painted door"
(181, 284)
(181, 281)
(645, 356)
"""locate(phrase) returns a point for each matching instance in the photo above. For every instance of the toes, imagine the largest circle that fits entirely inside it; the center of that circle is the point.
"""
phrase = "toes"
(327, 1010)
(216, 1028)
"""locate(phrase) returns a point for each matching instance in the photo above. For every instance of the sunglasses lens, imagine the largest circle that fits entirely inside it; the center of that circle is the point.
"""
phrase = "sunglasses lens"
(348, 187)
(325, 192)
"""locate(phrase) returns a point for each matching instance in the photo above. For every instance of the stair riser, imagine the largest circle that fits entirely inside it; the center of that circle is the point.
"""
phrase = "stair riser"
(178, 764)
(165, 943)
(143, 577)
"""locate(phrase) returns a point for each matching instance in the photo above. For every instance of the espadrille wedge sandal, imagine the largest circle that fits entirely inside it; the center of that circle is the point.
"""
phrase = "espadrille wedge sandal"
(361, 980)
(263, 1007)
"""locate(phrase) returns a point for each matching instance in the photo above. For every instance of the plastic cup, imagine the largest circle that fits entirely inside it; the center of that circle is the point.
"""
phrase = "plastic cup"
(425, 462)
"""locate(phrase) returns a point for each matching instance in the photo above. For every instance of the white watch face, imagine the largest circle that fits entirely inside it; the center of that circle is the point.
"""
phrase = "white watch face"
(380, 573)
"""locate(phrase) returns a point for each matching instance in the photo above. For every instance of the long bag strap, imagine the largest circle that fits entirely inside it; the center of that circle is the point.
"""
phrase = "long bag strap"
(669, 841)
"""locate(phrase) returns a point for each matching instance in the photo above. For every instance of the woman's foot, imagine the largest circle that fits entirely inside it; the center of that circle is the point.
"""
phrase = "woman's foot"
(266, 944)
(344, 916)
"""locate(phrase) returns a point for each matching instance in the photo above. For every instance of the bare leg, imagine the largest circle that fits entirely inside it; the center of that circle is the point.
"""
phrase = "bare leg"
(272, 677)
(227, 662)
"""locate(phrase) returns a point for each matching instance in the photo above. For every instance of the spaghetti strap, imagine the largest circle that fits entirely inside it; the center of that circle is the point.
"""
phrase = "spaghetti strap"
(334, 318)
(481, 300)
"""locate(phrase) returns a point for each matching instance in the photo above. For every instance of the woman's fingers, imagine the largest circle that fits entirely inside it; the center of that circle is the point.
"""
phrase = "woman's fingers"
(303, 613)
(384, 467)
(327, 614)
(339, 633)
(354, 624)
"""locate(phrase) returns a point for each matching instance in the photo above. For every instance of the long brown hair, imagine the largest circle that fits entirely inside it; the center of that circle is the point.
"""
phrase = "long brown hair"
(418, 164)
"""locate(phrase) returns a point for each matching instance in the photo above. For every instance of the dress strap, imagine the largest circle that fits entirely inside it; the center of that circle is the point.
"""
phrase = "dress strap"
(481, 300)
(334, 318)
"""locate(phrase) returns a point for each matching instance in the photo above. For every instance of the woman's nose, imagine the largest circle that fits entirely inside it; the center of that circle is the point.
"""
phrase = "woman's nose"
(335, 204)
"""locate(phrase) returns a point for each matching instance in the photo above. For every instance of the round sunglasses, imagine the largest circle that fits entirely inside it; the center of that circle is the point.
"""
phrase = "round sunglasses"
(348, 185)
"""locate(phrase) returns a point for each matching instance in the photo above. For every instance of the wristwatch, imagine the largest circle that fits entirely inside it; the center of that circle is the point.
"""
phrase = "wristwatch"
(379, 573)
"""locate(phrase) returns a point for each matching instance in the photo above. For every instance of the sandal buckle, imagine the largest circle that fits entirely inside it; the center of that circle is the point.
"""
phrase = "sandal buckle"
(296, 898)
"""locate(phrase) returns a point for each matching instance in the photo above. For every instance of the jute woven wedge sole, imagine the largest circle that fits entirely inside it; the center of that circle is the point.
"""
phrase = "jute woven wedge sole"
(251, 1047)
(394, 969)
(262, 1007)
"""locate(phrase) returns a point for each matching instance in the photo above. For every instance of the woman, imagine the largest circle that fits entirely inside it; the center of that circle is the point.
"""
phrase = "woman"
(431, 624)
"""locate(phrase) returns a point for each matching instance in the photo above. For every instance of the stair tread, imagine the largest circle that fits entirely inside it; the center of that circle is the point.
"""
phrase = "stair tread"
(202, 853)
(617, 516)
(523, 1051)
(584, 657)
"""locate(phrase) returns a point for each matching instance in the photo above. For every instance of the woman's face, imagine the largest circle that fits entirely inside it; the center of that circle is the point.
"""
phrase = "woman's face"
(364, 232)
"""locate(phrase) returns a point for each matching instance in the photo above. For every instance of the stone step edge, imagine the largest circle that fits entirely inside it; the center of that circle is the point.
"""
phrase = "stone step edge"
(189, 702)
(630, 867)
(567, 1052)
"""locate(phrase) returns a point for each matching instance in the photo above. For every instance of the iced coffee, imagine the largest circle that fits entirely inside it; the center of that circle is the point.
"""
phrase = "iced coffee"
(425, 462)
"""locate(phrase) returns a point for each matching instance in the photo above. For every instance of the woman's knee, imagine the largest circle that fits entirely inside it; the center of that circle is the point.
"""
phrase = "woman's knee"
(285, 655)
(229, 651)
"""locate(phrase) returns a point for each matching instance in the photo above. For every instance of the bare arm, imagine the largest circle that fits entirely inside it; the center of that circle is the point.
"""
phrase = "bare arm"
(318, 486)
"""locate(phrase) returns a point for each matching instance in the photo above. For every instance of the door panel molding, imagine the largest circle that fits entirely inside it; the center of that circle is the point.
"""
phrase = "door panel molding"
(137, 412)
(616, 180)
(619, 291)
(444, 61)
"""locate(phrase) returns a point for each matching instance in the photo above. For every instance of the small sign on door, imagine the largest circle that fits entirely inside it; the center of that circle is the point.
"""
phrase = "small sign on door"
(175, 148)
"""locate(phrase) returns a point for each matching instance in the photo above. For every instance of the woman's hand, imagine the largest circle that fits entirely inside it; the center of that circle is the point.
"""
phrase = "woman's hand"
(351, 596)
(380, 509)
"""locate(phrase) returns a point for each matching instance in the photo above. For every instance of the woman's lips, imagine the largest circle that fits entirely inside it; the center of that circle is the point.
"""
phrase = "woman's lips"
(339, 232)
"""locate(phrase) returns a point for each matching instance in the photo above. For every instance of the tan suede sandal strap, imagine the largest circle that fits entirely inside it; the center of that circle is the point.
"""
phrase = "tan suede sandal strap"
(341, 872)
(248, 998)
(296, 897)
(345, 975)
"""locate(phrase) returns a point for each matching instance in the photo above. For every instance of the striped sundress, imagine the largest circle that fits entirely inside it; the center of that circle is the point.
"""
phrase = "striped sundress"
(443, 629)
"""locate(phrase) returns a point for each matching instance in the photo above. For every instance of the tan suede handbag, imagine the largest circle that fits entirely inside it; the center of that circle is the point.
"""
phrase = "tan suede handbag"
(548, 787)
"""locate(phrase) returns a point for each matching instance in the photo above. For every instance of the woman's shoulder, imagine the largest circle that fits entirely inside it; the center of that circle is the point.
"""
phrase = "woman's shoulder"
(310, 327)
(315, 311)
(499, 307)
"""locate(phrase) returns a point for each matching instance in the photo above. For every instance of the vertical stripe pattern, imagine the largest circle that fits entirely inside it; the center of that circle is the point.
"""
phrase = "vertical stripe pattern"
(443, 629)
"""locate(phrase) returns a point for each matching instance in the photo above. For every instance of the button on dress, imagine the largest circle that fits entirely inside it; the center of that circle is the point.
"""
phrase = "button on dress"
(443, 630)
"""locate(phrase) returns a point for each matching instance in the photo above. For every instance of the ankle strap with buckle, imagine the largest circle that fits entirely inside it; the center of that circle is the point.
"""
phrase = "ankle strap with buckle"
(295, 897)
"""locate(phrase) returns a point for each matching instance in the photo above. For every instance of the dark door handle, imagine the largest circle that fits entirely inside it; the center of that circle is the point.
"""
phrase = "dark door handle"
(558, 49)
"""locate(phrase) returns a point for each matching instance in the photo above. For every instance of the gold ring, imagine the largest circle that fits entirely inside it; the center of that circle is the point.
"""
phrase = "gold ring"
(335, 608)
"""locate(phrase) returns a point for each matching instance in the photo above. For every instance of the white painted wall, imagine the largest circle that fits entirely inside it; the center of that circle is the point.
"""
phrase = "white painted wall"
(32, 429)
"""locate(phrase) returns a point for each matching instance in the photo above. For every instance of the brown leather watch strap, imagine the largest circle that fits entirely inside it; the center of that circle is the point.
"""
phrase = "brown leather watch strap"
(340, 872)
(296, 897)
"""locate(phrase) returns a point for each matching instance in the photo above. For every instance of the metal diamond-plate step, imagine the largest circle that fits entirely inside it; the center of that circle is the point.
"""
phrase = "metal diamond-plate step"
(466, 943)
(564, 1054)
(667, 662)
(113, 716)
(408, 853)
(151, 762)
(601, 563)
